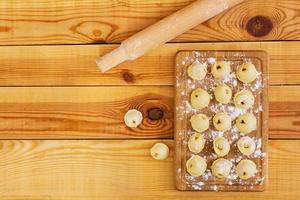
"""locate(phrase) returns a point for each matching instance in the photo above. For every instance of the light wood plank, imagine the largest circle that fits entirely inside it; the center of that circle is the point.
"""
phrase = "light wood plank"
(121, 170)
(284, 112)
(97, 112)
(89, 21)
(93, 112)
(75, 65)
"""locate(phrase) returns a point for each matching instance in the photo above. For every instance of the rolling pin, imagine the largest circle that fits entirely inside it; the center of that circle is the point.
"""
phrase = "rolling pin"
(164, 31)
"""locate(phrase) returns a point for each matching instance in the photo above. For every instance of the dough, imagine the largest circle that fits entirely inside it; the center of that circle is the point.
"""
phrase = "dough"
(246, 72)
(221, 146)
(159, 151)
(222, 121)
(246, 123)
(199, 122)
(221, 168)
(244, 99)
(220, 69)
(246, 145)
(133, 118)
(200, 98)
(223, 93)
(197, 70)
(196, 166)
(246, 169)
(196, 143)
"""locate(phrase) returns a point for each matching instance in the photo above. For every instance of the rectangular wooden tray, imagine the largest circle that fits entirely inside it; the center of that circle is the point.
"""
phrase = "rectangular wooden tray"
(183, 129)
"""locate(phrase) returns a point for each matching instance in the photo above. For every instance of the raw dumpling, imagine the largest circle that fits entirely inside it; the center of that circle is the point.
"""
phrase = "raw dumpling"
(199, 122)
(246, 169)
(197, 70)
(221, 146)
(246, 72)
(221, 168)
(200, 98)
(196, 166)
(159, 151)
(220, 69)
(244, 99)
(246, 145)
(222, 121)
(133, 118)
(246, 123)
(223, 93)
(196, 143)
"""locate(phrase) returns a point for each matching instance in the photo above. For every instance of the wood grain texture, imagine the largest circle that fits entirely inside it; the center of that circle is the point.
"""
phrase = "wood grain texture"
(94, 112)
(97, 112)
(75, 65)
(79, 169)
(123, 169)
(284, 112)
(89, 21)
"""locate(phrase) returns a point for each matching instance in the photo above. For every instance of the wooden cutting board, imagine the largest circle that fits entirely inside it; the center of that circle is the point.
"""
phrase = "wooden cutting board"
(183, 112)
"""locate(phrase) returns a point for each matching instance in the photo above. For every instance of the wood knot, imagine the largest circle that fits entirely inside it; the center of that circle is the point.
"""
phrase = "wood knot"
(155, 113)
(128, 76)
(97, 33)
(259, 26)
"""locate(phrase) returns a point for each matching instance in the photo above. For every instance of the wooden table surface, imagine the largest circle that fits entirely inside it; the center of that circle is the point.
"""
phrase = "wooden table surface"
(61, 128)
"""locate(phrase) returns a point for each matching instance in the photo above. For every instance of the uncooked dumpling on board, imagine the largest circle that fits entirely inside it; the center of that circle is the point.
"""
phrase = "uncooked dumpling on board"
(196, 143)
(246, 72)
(200, 98)
(246, 169)
(197, 70)
(244, 99)
(199, 122)
(223, 93)
(246, 145)
(220, 69)
(246, 123)
(221, 168)
(221, 146)
(196, 166)
(222, 121)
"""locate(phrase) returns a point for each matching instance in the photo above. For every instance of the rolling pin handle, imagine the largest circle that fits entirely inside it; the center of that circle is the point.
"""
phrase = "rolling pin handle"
(112, 59)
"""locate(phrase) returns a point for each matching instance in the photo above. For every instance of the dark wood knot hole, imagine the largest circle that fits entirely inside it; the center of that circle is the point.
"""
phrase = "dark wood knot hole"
(155, 113)
(128, 76)
(259, 26)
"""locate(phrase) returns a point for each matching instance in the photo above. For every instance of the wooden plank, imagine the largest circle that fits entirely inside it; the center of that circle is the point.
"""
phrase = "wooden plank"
(89, 21)
(284, 112)
(93, 112)
(75, 65)
(97, 112)
(73, 169)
